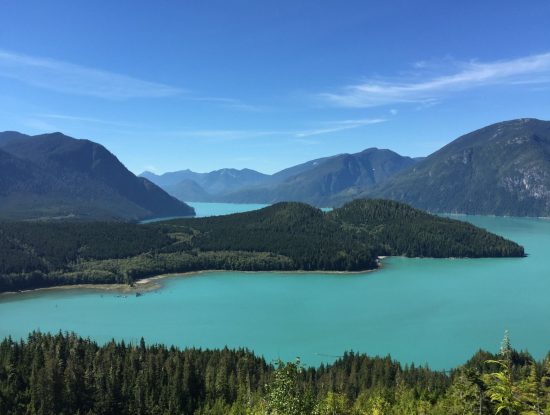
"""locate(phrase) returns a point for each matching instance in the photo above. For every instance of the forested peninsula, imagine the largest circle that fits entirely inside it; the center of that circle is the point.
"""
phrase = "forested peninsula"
(286, 236)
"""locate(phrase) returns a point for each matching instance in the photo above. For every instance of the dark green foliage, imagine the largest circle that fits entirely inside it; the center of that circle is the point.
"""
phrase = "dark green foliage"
(398, 229)
(294, 230)
(36, 255)
(285, 236)
(62, 243)
(64, 375)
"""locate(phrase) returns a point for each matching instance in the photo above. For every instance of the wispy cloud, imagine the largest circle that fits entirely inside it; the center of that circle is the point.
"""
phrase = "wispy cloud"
(65, 77)
(299, 136)
(69, 78)
(468, 75)
(337, 126)
(80, 119)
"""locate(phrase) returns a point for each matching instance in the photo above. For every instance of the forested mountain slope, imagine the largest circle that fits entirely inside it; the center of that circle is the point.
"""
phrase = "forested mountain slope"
(52, 175)
(315, 182)
(327, 178)
(502, 169)
(285, 236)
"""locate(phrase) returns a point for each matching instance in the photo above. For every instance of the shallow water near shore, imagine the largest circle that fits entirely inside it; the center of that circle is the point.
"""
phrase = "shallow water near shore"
(430, 311)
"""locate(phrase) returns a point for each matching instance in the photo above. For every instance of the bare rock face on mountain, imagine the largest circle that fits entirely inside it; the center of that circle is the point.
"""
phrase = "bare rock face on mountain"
(56, 176)
(502, 169)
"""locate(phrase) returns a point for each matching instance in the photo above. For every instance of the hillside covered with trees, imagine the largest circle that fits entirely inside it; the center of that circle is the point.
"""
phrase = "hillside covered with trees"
(53, 176)
(502, 169)
(285, 236)
(64, 374)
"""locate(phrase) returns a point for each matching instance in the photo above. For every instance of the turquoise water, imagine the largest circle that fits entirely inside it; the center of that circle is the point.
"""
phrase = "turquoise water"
(215, 209)
(418, 310)
(203, 209)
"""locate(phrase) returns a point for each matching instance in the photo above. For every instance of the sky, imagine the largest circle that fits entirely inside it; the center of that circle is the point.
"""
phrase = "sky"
(204, 85)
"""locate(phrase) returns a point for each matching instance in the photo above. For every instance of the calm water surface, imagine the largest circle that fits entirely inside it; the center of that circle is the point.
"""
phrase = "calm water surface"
(203, 209)
(418, 310)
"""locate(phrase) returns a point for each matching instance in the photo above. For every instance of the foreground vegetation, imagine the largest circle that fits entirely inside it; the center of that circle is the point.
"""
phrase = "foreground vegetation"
(285, 236)
(64, 374)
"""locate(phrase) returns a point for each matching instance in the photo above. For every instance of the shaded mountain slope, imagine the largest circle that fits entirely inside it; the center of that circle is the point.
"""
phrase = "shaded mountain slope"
(76, 178)
(189, 190)
(213, 184)
(502, 169)
(315, 182)
(320, 182)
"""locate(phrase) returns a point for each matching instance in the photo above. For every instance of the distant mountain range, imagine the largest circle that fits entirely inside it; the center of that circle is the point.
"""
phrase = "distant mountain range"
(56, 176)
(316, 182)
(204, 187)
(502, 169)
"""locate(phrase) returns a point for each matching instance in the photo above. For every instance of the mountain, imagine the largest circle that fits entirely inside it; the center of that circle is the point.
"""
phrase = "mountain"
(315, 182)
(287, 173)
(320, 181)
(213, 184)
(53, 175)
(171, 178)
(8, 137)
(189, 190)
(502, 169)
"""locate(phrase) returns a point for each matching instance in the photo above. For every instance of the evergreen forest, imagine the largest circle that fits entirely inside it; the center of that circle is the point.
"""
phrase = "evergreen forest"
(283, 237)
(64, 374)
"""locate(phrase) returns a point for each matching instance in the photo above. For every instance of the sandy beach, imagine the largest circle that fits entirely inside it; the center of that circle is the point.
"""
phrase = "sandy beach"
(154, 283)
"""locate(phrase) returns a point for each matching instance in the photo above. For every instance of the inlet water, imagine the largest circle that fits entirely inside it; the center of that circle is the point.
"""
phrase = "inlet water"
(430, 311)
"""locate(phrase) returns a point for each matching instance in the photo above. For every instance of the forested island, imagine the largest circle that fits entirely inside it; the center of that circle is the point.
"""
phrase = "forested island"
(283, 237)
(65, 374)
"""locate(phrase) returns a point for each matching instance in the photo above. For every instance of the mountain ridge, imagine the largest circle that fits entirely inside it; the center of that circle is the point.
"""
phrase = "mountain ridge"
(502, 169)
(74, 178)
(314, 181)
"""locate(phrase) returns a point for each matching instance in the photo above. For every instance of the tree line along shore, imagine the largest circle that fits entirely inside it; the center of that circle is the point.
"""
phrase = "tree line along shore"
(282, 237)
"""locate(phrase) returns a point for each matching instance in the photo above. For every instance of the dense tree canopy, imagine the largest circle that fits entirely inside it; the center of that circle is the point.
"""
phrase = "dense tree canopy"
(65, 375)
(285, 236)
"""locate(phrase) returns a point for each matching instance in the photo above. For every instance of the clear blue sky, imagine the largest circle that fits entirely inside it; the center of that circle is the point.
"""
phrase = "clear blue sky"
(169, 85)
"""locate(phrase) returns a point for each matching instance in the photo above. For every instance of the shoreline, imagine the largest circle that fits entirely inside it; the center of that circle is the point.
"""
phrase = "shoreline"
(150, 284)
